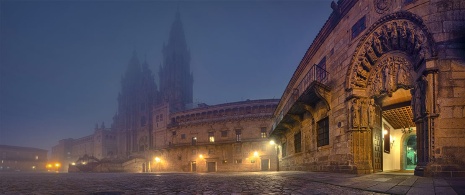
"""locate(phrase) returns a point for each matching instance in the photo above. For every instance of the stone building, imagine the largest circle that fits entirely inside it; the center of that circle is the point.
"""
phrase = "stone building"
(15, 158)
(158, 129)
(380, 88)
(225, 137)
(101, 144)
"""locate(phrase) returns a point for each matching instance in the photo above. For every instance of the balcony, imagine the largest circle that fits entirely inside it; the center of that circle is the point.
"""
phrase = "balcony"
(312, 89)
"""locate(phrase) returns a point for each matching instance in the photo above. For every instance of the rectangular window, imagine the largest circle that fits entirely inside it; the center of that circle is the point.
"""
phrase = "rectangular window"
(238, 161)
(263, 132)
(211, 151)
(238, 149)
(387, 138)
(238, 135)
(194, 141)
(284, 148)
(211, 137)
(358, 27)
(323, 132)
(224, 133)
(183, 136)
(298, 142)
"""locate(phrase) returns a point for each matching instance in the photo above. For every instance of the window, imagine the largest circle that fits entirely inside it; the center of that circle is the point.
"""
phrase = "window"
(238, 135)
(283, 145)
(238, 161)
(263, 132)
(224, 133)
(238, 149)
(358, 27)
(211, 151)
(252, 161)
(161, 117)
(211, 137)
(194, 141)
(298, 142)
(323, 132)
(183, 136)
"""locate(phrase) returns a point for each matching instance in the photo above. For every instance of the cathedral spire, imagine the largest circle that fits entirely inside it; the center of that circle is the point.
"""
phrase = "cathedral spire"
(176, 80)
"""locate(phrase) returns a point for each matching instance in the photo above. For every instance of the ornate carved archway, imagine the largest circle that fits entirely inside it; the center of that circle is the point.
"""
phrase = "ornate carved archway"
(391, 55)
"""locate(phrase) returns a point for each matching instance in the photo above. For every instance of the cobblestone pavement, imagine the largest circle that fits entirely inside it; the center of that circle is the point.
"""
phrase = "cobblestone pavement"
(170, 183)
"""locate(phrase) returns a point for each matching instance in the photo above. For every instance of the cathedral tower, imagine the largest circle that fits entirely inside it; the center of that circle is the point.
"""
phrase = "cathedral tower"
(135, 101)
(176, 80)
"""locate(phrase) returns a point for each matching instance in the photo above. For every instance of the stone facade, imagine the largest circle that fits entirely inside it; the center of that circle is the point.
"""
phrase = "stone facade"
(15, 158)
(370, 58)
(225, 137)
(101, 144)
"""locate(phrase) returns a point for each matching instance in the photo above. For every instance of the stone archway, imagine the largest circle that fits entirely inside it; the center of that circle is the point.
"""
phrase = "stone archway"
(391, 55)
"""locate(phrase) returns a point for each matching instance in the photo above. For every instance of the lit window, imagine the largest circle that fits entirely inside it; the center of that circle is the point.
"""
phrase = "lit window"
(263, 132)
(211, 137)
(37, 157)
(194, 141)
(238, 135)
(238, 161)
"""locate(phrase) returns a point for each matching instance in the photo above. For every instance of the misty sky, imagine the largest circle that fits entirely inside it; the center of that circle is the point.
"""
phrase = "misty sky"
(61, 61)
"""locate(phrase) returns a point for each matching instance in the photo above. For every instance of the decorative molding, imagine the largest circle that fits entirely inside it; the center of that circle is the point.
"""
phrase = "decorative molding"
(400, 32)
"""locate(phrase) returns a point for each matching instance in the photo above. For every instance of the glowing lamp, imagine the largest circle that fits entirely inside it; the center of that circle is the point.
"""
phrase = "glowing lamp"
(255, 154)
(200, 156)
(157, 159)
(272, 142)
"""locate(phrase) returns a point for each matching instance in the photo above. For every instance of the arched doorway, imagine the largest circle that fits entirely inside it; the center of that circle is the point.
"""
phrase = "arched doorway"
(387, 73)
(410, 152)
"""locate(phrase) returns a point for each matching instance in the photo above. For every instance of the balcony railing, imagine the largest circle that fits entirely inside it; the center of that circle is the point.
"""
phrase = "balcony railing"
(317, 74)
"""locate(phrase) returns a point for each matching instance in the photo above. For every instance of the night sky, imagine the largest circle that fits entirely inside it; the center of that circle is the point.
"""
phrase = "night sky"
(61, 62)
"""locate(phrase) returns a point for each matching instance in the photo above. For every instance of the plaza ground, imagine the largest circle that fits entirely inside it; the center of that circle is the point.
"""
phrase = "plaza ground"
(226, 183)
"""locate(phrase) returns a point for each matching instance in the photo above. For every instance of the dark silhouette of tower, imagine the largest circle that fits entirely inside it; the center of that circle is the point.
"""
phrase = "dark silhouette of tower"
(135, 102)
(176, 79)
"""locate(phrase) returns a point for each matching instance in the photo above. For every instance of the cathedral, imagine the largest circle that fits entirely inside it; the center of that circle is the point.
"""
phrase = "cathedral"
(158, 128)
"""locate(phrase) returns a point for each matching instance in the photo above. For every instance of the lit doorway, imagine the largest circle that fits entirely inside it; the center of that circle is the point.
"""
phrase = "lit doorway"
(194, 166)
(410, 152)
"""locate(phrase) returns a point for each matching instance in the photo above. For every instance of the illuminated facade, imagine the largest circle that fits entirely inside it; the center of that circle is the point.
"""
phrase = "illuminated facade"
(379, 89)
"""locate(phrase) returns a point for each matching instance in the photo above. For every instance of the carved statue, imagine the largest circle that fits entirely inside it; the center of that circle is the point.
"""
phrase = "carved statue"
(364, 113)
(377, 45)
(394, 35)
(372, 113)
(387, 77)
(403, 35)
(362, 72)
(355, 113)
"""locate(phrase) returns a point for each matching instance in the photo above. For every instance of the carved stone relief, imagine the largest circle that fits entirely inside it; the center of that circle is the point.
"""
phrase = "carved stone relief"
(393, 36)
(382, 6)
(390, 73)
(362, 113)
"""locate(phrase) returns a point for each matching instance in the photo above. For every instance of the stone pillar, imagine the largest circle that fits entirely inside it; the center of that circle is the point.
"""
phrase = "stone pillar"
(361, 122)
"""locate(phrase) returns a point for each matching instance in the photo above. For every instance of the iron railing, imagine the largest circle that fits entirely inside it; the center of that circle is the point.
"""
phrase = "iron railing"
(317, 74)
